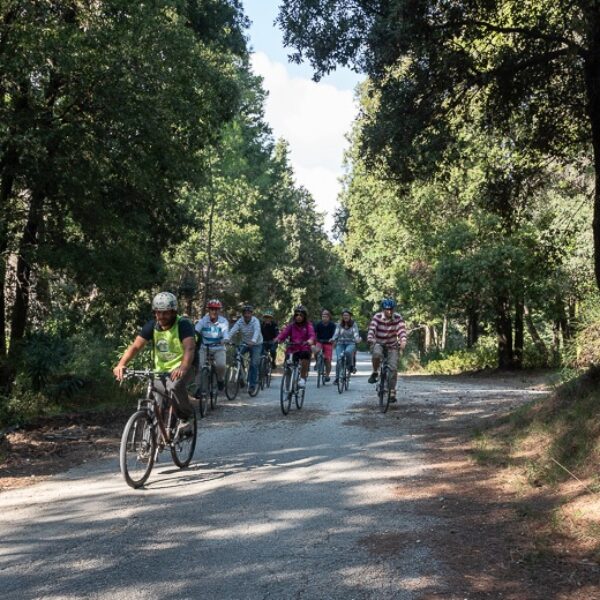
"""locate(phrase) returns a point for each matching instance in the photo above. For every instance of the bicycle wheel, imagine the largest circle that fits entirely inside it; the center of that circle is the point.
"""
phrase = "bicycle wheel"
(262, 372)
(285, 393)
(138, 448)
(341, 373)
(213, 390)
(268, 372)
(182, 448)
(347, 379)
(204, 391)
(300, 397)
(384, 390)
(253, 391)
(232, 381)
(319, 369)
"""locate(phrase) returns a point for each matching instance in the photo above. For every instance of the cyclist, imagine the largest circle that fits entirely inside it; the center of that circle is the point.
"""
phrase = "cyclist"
(324, 331)
(174, 348)
(346, 337)
(269, 330)
(387, 330)
(213, 331)
(301, 333)
(249, 327)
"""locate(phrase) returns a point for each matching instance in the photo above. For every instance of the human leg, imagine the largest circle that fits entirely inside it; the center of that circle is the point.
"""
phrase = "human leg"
(349, 351)
(376, 356)
(178, 390)
(220, 358)
(327, 355)
(255, 352)
(201, 361)
(393, 365)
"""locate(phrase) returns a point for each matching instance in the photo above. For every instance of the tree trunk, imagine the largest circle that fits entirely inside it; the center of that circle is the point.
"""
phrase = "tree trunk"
(472, 328)
(538, 342)
(6, 186)
(504, 334)
(519, 337)
(209, 243)
(23, 274)
(444, 333)
(592, 84)
(428, 338)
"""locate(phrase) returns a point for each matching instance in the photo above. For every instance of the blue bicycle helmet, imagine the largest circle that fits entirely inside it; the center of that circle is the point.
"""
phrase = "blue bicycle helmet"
(388, 303)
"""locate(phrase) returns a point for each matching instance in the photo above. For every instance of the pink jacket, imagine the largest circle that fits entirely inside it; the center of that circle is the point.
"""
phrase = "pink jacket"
(299, 336)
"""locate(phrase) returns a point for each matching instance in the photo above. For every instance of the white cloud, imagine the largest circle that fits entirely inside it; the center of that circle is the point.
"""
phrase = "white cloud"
(314, 118)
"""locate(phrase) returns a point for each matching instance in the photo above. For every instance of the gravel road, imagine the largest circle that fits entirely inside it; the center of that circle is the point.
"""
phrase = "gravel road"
(271, 507)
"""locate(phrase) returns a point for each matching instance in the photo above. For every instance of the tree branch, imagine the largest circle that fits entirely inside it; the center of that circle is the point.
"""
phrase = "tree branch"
(528, 32)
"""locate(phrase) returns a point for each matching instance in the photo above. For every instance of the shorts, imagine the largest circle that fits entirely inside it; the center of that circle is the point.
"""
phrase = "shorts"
(327, 349)
(301, 355)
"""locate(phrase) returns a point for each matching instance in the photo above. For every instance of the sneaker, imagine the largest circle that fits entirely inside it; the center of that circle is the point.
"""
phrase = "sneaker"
(353, 369)
(242, 384)
(393, 397)
(326, 379)
(373, 377)
(220, 385)
(335, 381)
(251, 389)
(301, 383)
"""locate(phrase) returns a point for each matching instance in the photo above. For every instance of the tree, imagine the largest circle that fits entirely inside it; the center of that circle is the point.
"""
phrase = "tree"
(104, 108)
(538, 62)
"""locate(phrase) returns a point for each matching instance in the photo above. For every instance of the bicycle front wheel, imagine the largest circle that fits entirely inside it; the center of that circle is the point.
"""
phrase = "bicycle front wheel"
(384, 390)
(341, 374)
(262, 372)
(253, 391)
(285, 393)
(213, 388)
(138, 449)
(183, 446)
(268, 372)
(204, 391)
(300, 397)
(320, 370)
(232, 382)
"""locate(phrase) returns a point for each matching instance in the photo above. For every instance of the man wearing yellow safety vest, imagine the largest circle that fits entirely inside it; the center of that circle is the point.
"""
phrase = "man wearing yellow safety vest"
(174, 348)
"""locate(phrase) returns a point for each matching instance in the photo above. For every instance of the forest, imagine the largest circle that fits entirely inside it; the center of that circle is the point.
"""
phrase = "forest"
(135, 157)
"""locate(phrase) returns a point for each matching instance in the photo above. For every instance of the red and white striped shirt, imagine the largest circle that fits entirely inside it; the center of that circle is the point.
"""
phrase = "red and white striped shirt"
(387, 332)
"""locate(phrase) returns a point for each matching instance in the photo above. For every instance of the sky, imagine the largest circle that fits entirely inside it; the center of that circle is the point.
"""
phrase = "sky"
(313, 117)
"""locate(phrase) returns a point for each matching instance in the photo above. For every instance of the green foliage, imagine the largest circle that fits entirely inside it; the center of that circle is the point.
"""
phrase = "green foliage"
(482, 356)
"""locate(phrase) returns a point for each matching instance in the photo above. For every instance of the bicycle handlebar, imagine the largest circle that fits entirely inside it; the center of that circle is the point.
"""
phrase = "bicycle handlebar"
(144, 373)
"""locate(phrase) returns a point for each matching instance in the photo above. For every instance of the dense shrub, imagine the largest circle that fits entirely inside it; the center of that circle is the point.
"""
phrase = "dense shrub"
(56, 371)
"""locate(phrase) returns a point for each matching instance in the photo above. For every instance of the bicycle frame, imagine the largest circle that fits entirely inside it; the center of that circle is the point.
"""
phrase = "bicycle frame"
(151, 404)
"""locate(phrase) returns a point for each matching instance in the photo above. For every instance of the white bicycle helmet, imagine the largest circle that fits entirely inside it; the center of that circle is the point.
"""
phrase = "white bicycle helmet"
(164, 301)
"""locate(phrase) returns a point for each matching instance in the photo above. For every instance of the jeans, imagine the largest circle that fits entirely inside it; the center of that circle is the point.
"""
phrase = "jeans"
(255, 352)
(181, 403)
(348, 350)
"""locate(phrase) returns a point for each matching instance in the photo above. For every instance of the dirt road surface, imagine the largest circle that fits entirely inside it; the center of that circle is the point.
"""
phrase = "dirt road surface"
(333, 501)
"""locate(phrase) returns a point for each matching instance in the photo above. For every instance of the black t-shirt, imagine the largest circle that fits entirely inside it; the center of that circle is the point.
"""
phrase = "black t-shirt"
(186, 330)
(269, 331)
(324, 332)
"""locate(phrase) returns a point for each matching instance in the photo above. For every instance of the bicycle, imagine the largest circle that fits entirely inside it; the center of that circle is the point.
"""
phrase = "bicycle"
(265, 371)
(320, 368)
(289, 385)
(236, 376)
(384, 383)
(208, 388)
(342, 373)
(152, 428)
